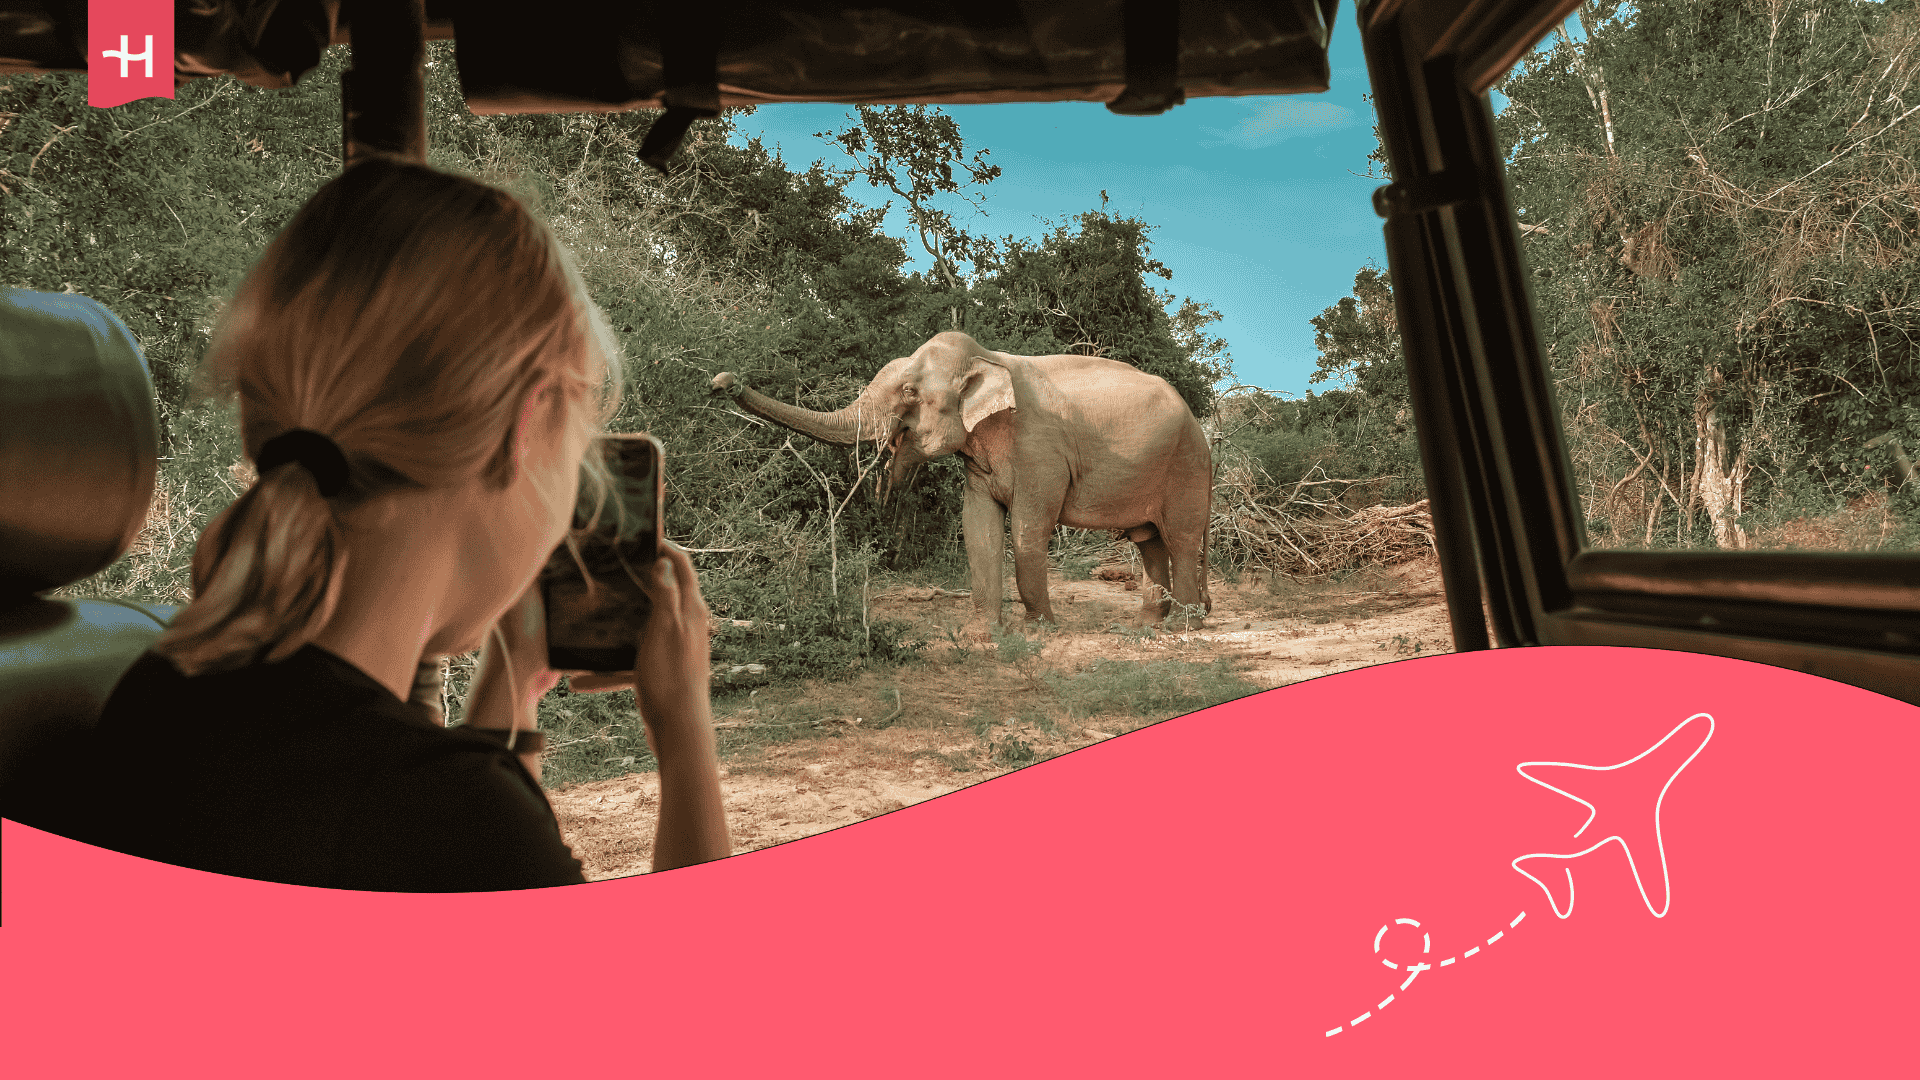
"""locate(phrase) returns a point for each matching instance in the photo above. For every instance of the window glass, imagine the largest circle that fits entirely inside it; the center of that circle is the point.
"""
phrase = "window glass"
(1718, 203)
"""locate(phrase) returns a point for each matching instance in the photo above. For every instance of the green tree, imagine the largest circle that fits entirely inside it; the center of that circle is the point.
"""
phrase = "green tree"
(1717, 199)
(912, 151)
(1355, 439)
(1367, 412)
(1358, 340)
(1084, 289)
(156, 208)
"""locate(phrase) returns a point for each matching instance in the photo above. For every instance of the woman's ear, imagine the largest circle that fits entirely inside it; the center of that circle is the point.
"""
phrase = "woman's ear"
(988, 390)
(538, 425)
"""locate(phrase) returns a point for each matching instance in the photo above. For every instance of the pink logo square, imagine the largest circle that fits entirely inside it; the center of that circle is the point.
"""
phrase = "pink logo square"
(129, 51)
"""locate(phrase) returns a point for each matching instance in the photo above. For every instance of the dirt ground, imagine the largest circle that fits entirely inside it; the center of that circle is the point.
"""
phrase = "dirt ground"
(959, 710)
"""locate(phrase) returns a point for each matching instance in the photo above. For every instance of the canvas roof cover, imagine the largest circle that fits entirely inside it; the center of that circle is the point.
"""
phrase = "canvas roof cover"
(569, 55)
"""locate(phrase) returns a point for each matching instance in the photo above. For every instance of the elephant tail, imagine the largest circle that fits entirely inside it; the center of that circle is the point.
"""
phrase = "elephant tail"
(1206, 563)
(1206, 531)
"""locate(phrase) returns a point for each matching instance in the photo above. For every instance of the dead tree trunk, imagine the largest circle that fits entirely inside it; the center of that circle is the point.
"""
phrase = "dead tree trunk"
(1592, 75)
(1720, 486)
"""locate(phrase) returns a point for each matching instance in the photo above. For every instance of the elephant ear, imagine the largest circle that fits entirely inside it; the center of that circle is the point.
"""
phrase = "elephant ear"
(989, 389)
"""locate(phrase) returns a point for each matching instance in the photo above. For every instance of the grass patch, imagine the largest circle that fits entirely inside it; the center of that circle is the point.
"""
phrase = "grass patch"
(1042, 721)
(1158, 689)
(591, 737)
(814, 639)
(953, 762)
(600, 736)
(1022, 653)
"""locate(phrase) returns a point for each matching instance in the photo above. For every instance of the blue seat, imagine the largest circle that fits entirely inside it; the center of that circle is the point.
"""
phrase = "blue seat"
(79, 445)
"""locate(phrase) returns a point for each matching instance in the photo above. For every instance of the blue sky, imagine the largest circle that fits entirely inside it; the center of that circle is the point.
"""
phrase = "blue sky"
(1261, 204)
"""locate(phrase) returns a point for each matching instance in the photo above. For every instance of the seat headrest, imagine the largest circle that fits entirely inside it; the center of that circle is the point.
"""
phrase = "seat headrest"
(79, 440)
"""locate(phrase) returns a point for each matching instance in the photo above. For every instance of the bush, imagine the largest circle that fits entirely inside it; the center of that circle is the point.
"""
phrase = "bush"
(1015, 753)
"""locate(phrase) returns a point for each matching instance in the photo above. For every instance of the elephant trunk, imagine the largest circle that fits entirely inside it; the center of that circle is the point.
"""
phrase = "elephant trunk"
(901, 465)
(862, 420)
(892, 480)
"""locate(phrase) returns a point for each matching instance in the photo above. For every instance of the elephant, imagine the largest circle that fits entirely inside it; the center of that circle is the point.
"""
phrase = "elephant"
(1081, 441)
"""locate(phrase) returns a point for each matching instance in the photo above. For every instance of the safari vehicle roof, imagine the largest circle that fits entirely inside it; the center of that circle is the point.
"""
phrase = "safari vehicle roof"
(1509, 530)
(541, 57)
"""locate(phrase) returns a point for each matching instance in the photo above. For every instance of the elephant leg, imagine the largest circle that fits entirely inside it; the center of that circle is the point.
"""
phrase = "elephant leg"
(1033, 526)
(984, 523)
(1188, 513)
(1154, 603)
(1188, 568)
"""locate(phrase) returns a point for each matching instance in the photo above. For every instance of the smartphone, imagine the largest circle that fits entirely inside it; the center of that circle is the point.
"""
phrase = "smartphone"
(594, 619)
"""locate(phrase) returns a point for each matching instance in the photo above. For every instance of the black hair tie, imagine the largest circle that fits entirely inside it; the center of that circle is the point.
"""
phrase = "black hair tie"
(320, 455)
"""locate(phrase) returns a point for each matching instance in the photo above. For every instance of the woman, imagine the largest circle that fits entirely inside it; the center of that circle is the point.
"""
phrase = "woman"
(420, 373)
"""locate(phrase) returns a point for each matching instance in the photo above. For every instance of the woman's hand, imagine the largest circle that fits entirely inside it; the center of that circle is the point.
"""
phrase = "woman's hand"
(672, 655)
(670, 684)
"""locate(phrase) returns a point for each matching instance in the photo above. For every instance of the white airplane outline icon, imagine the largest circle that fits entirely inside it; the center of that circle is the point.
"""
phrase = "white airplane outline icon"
(1632, 864)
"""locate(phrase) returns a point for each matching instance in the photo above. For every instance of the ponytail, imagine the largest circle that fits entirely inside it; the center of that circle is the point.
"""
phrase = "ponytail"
(266, 578)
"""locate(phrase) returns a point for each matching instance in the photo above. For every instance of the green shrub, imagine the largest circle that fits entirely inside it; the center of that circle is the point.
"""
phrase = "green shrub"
(1013, 647)
(1013, 752)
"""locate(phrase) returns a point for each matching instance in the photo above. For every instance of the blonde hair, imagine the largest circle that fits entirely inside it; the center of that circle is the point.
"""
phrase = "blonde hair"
(406, 314)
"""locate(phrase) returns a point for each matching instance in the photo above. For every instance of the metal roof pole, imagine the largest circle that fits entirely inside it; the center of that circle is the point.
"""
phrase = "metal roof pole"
(383, 99)
(1452, 451)
(383, 112)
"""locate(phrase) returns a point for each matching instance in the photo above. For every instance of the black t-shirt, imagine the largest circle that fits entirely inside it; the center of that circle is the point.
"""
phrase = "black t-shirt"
(309, 772)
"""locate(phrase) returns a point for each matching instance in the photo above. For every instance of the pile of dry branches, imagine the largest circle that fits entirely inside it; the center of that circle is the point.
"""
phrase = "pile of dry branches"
(1305, 531)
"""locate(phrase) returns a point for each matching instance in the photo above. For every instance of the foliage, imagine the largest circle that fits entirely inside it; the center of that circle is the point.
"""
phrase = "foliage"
(1719, 202)
(592, 737)
(1719, 198)
(1014, 752)
(911, 150)
(1358, 340)
(198, 186)
(1301, 466)
(1014, 647)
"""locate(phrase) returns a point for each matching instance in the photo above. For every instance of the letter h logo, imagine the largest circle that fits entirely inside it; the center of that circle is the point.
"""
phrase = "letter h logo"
(125, 56)
(116, 76)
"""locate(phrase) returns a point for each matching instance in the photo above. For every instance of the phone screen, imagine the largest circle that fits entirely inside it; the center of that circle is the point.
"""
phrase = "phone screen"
(594, 620)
